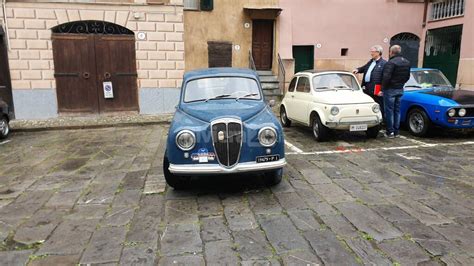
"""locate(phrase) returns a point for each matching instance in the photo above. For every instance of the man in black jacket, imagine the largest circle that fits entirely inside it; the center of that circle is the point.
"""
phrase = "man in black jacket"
(372, 71)
(395, 74)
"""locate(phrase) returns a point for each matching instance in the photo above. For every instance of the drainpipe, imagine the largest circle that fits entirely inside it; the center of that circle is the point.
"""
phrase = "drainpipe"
(425, 13)
(4, 7)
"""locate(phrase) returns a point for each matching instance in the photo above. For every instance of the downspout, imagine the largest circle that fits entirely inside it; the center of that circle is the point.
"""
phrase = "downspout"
(425, 13)
(4, 7)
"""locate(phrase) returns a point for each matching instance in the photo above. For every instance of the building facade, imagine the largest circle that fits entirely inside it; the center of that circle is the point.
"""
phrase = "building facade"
(94, 57)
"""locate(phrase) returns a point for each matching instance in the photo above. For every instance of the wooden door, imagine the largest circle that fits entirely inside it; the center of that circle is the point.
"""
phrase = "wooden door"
(304, 57)
(75, 73)
(5, 82)
(115, 60)
(262, 44)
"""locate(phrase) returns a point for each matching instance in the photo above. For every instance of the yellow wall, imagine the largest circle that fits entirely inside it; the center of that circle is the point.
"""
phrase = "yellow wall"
(225, 23)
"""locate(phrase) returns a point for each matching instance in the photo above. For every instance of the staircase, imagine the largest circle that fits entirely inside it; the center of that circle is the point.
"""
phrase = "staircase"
(270, 85)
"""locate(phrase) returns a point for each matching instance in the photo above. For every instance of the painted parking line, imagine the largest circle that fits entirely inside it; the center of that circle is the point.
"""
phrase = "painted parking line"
(5, 141)
(409, 139)
(382, 148)
(292, 147)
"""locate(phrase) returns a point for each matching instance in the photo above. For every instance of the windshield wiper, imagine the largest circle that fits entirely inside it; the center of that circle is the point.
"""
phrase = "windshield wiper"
(413, 86)
(342, 87)
(323, 88)
(218, 97)
(247, 95)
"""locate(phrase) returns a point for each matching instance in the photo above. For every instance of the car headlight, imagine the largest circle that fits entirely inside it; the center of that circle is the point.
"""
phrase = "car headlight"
(462, 112)
(452, 112)
(267, 136)
(376, 108)
(185, 140)
(334, 110)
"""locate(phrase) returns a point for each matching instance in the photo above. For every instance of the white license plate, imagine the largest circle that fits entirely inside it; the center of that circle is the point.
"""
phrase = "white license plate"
(358, 128)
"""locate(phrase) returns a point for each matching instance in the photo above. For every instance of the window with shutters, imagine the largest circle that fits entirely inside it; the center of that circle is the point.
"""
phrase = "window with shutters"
(203, 5)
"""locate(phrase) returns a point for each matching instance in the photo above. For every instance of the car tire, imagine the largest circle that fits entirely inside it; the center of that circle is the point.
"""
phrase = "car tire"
(373, 132)
(284, 120)
(4, 128)
(274, 177)
(320, 131)
(418, 122)
(175, 181)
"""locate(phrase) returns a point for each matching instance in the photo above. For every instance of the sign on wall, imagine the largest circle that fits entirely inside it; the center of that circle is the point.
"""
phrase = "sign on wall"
(108, 90)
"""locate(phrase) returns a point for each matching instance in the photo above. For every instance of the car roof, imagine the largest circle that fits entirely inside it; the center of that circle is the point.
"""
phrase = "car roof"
(312, 72)
(220, 71)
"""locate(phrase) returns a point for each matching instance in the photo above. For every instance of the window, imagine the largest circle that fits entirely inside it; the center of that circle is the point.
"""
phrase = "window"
(221, 88)
(335, 81)
(447, 9)
(204, 5)
(303, 85)
(344, 51)
(291, 88)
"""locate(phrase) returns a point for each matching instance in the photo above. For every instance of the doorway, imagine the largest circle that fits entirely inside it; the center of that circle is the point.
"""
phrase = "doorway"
(442, 51)
(5, 81)
(410, 44)
(304, 57)
(95, 67)
(262, 44)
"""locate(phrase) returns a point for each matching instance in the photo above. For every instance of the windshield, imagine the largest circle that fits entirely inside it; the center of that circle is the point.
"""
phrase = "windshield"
(426, 79)
(206, 89)
(336, 81)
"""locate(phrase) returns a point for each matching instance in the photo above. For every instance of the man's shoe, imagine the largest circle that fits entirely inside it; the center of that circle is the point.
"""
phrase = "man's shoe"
(390, 136)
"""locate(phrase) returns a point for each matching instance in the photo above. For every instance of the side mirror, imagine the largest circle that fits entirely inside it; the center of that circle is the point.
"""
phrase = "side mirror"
(271, 103)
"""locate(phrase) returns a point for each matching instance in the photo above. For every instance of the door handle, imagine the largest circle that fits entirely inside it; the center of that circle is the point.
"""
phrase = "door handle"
(107, 75)
(86, 75)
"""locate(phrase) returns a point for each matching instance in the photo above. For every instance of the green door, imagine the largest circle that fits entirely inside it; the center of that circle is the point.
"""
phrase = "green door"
(304, 57)
(442, 50)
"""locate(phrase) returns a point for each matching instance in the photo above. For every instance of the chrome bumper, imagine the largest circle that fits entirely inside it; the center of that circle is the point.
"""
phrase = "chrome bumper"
(368, 122)
(192, 169)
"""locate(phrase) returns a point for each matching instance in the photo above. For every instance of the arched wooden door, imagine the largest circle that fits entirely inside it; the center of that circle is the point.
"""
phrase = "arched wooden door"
(410, 44)
(95, 67)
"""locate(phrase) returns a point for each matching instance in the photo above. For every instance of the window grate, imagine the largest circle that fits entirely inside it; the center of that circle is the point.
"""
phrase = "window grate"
(447, 9)
(191, 4)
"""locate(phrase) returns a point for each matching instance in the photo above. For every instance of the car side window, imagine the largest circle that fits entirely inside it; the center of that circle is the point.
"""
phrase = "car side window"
(291, 88)
(303, 85)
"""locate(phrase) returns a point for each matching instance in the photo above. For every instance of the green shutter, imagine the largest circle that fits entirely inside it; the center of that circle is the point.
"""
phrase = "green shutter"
(207, 5)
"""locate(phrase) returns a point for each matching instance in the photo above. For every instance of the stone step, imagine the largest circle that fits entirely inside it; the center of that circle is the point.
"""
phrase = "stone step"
(268, 79)
(271, 85)
(264, 72)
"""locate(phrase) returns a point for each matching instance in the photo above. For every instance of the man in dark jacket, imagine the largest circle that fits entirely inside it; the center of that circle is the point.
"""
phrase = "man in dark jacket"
(373, 73)
(395, 74)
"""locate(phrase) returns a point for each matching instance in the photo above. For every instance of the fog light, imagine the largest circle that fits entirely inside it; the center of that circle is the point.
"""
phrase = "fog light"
(269, 151)
(462, 112)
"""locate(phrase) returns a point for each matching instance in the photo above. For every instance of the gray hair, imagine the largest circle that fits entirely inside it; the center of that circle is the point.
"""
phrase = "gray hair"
(377, 48)
(396, 50)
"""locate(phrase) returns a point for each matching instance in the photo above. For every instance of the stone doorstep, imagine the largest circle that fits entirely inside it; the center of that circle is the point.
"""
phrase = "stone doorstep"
(88, 122)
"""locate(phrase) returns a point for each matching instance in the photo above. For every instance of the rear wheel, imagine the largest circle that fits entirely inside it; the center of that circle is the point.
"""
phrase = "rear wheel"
(373, 132)
(274, 177)
(418, 122)
(175, 181)
(320, 131)
(4, 128)
(285, 122)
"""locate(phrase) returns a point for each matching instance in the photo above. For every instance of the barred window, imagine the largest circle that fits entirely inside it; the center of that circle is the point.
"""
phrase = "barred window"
(447, 9)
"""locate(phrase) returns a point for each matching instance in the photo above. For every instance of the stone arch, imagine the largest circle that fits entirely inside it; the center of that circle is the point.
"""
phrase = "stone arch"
(410, 44)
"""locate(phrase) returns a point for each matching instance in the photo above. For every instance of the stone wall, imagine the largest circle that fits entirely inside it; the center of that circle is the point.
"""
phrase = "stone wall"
(160, 57)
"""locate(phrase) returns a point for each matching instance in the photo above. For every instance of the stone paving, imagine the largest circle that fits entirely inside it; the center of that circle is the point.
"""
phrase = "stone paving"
(98, 196)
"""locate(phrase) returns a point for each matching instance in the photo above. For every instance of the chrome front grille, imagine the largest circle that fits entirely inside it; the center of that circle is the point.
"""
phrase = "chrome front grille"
(227, 140)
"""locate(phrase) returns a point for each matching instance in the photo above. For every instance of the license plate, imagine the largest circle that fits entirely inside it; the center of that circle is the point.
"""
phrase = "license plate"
(358, 128)
(268, 158)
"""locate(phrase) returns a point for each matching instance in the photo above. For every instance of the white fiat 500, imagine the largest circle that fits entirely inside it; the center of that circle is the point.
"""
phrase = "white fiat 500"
(329, 100)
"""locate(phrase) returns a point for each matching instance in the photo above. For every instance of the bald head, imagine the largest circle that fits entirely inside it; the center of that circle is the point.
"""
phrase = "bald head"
(395, 50)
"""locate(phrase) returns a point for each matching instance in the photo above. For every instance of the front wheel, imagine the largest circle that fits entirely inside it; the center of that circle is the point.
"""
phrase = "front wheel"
(274, 177)
(418, 122)
(285, 122)
(175, 181)
(373, 132)
(320, 131)
(4, 128)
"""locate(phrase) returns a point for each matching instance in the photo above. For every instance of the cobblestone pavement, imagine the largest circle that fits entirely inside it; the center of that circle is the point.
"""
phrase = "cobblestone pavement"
(98, 196)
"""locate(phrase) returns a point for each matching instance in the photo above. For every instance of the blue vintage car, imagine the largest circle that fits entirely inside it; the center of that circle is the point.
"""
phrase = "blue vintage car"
(222, 125)
(430, 100)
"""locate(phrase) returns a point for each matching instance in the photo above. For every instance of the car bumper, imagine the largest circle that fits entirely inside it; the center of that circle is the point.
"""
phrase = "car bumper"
(459, 123)
(347, 124)
(193, 169)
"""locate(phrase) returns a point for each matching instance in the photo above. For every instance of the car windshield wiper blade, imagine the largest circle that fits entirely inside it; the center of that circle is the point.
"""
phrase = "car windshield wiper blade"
(413, 86)
(218, 97)
(323, 88)
(247, 95)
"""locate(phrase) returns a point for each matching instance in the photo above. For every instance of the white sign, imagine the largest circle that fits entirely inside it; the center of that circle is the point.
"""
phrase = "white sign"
(108, 90)
(141, 36)
(247, 25)
(237, 47)
(318, 45)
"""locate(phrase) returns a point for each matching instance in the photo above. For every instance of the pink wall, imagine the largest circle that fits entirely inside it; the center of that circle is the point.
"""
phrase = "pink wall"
(353, 24)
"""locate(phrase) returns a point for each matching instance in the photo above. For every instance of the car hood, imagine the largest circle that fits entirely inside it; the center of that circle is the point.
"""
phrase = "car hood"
(343, 97)
(213, 109)
(462, 97)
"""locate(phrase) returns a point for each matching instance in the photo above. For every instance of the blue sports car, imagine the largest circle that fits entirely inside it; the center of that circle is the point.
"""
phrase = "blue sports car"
(222, 125)
(430, 100)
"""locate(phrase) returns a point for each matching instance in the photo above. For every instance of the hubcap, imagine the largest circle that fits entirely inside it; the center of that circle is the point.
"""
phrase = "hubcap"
(283, 117)
(316, 129)
(417, 123)
(4, 127)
